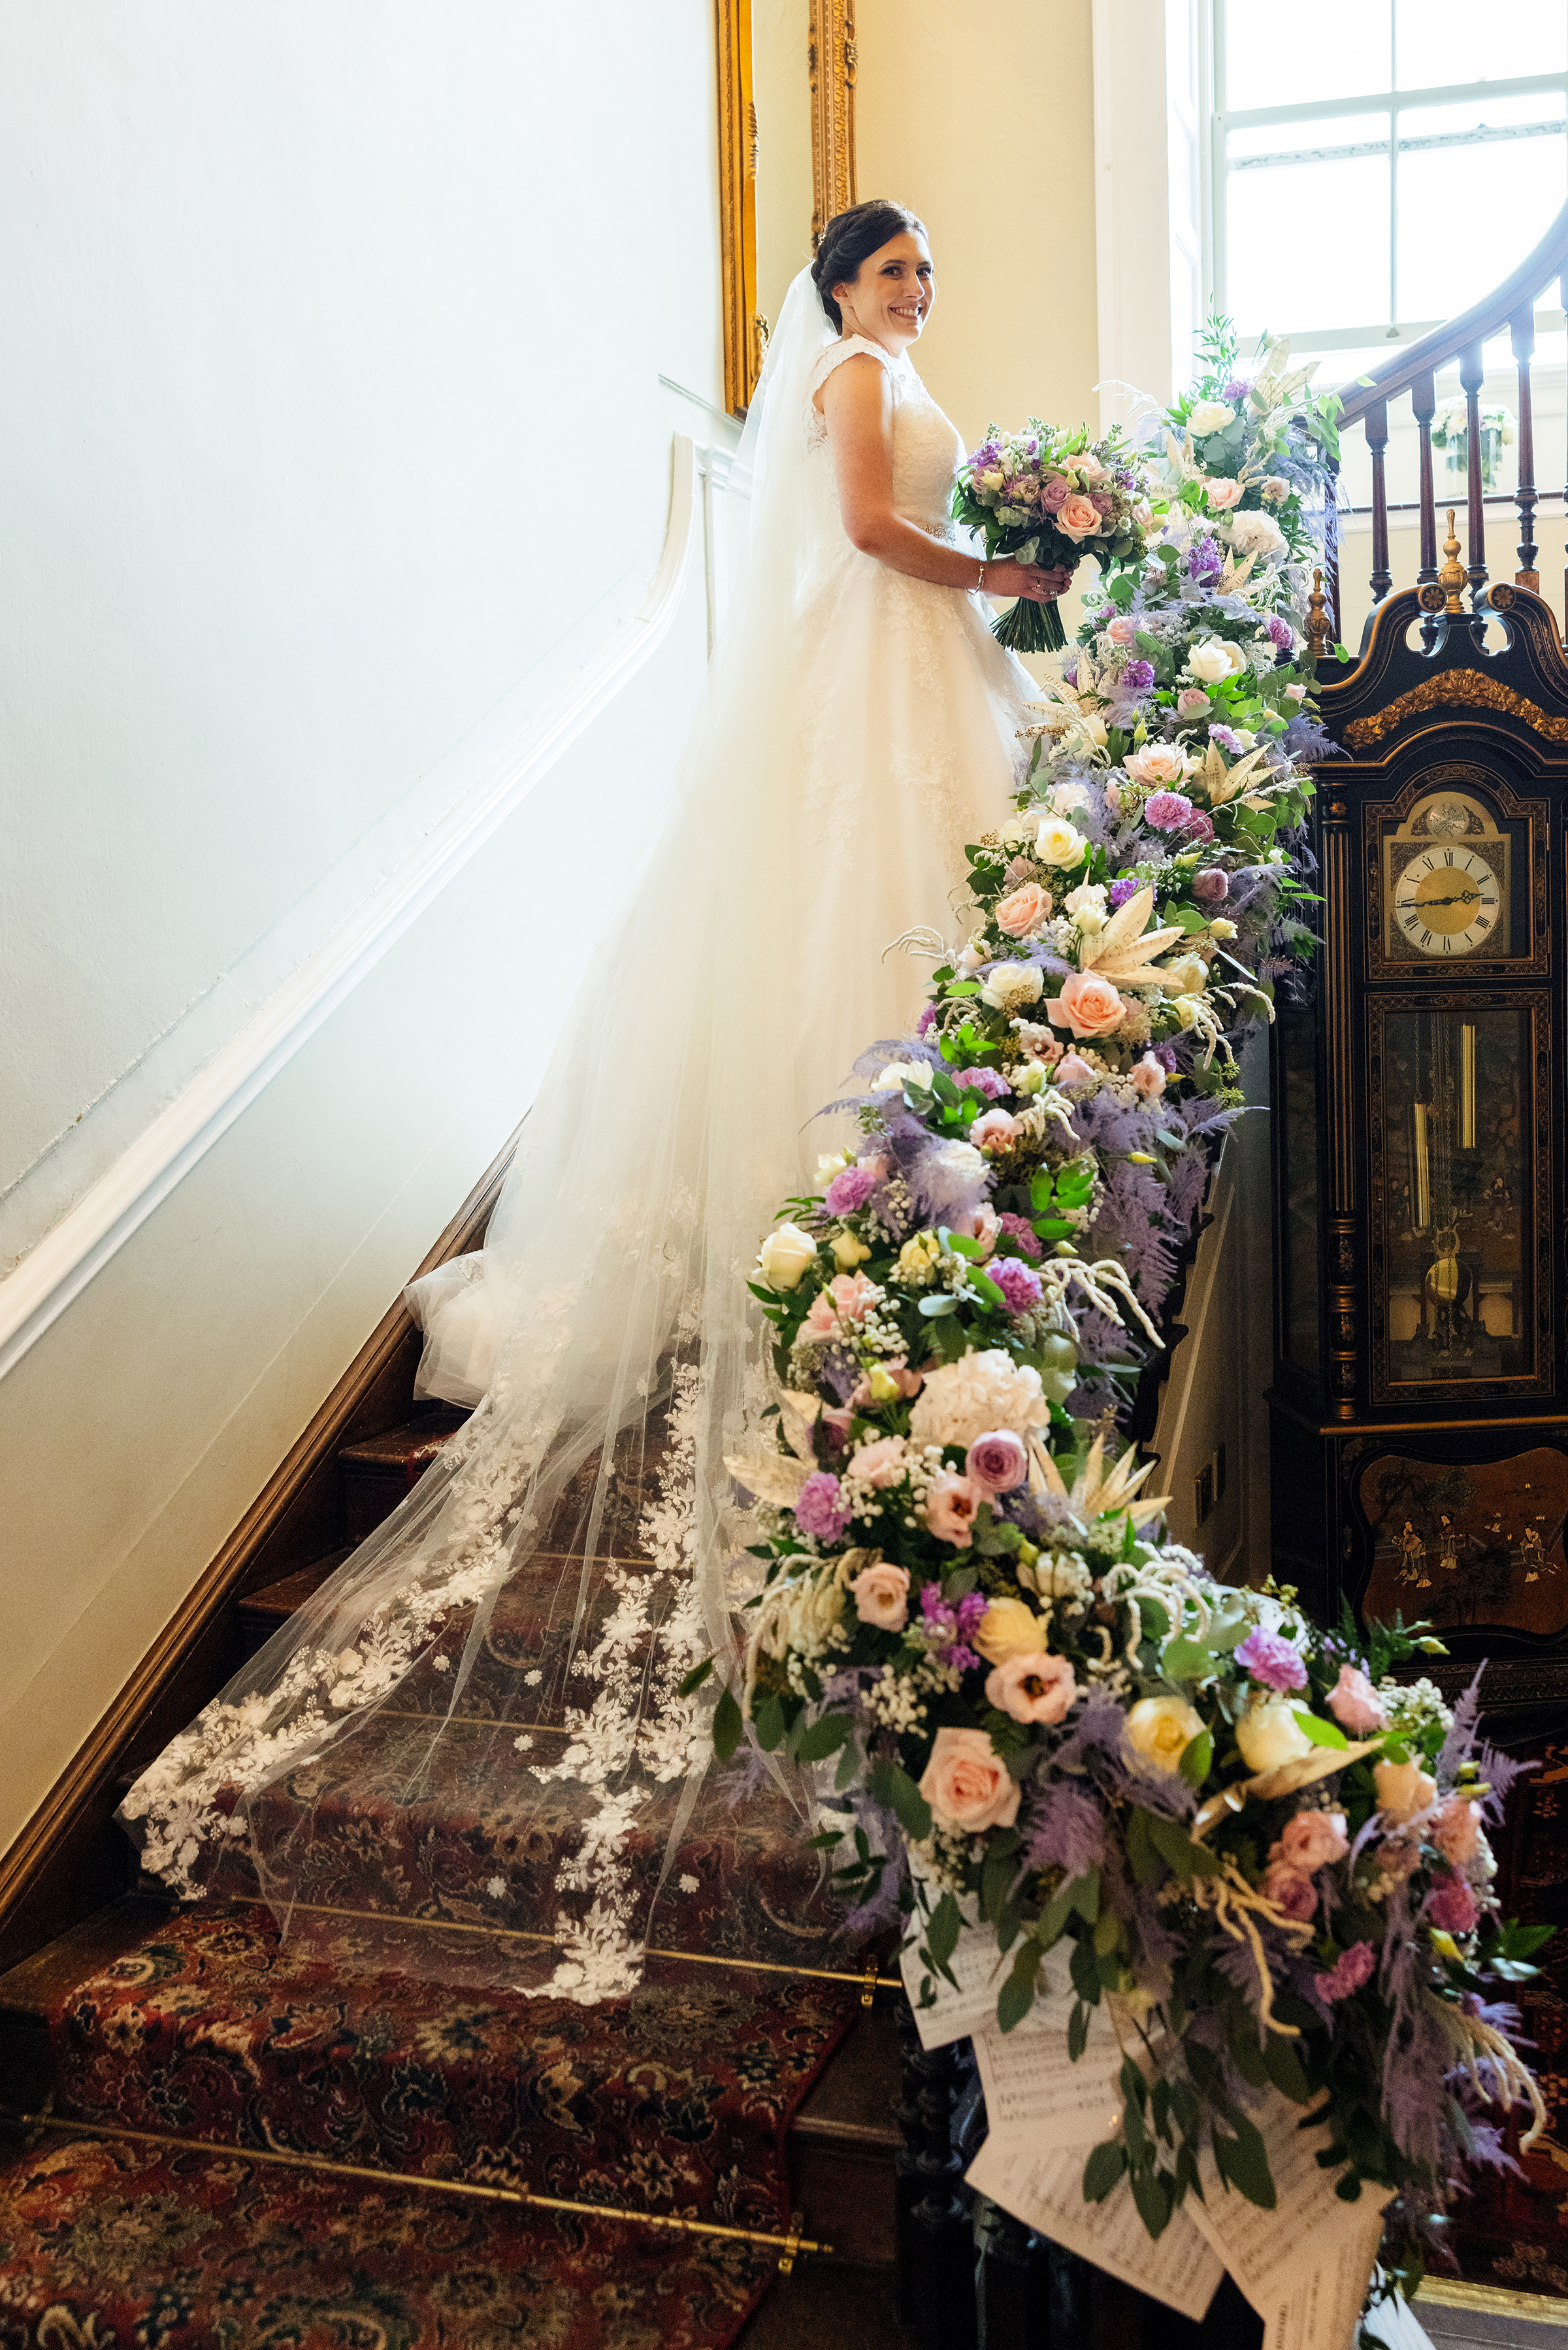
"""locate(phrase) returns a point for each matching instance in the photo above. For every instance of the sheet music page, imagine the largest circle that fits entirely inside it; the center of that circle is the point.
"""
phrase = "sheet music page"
(981, 1969)
(1045, 2189)
(1033, 2090)
(1305, 2266)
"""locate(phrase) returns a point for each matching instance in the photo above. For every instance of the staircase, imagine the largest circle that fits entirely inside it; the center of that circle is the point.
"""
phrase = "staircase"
(208, 2136)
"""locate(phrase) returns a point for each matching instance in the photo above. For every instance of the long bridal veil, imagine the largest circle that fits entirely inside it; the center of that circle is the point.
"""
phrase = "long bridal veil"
(467, 1753)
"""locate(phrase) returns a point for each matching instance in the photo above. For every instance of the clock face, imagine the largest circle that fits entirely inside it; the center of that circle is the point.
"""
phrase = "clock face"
(1446, 900)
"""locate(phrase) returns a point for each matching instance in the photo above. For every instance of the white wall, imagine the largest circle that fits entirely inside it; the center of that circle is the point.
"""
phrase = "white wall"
(332, 444)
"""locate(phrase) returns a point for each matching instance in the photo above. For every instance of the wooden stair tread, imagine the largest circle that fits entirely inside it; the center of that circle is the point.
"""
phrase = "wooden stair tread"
(851, 2108)
(279, 1601)
(410, 1447)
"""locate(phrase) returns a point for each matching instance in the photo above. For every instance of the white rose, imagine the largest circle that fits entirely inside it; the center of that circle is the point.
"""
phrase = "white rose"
(1065, 797)
(1087, 904)
(1187, 974)
(1161, 1729)
(900, 1074)
(1011, 984)
(1212, 659)
(1210, 416)
(973, 955)
(1256, 534)
(1268, 1734)
(785, 1255)
(1057, 842)
(1403, 1790)
(1186, 1008)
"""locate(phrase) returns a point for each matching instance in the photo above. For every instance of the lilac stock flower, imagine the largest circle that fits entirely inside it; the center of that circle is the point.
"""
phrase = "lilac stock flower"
(1350, 1970)
(1128, 887)
(988, 1082)
(1227, 738)
(1168, 811)
(1019, 1283)
(849, 1189)
(1166, 1055)
(819, 1508)
(1280, 631)
(1204, 560)
(1138, 676)
(1272, 1660)
(1237, 388)
(957, 1622)
(1022, 1233)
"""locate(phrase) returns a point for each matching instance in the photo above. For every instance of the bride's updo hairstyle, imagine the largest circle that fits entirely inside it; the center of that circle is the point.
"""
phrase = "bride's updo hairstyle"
(853, 238)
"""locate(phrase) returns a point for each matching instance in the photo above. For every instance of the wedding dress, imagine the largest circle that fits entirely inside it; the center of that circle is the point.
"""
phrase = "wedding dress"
(467, 1753)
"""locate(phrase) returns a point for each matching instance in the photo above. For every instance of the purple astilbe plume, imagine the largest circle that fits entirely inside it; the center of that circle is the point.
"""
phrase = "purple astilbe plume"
(1064, 1829)
(1499, 1771)
(943, 1185)
(1131, 1221)
(1100, 1340)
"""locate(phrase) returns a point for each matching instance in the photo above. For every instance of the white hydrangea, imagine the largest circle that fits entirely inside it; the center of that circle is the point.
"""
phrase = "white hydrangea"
(978, 1393)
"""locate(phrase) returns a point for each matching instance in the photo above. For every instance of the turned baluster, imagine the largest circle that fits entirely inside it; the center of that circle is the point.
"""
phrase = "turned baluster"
(1521, 333)
(1424, 403)
(1376, 423)
(1472, 375)
(1563, 298)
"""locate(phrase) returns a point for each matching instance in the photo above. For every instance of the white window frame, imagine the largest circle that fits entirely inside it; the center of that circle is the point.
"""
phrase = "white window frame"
(1152, 108)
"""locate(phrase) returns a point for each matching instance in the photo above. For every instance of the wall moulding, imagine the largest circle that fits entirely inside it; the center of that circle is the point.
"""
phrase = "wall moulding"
(831, 58)
(59, 1267)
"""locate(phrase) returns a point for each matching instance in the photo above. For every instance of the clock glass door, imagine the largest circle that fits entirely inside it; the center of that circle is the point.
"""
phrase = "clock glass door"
(1455, 1184)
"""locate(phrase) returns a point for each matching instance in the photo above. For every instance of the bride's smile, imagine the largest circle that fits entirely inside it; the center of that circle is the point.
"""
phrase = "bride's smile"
(891, 294)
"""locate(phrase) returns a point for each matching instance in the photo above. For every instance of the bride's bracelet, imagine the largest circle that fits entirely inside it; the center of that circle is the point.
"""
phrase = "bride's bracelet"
(979, 583)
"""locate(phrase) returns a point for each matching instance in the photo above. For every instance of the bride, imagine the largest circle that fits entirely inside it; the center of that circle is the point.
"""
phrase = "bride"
(469, 1754)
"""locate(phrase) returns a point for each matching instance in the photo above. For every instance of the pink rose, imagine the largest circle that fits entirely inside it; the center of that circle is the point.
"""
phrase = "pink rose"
(1456, 1830)
(881, 1463)
(1053, 497)
(997, 1460)
(967, 1786)
(1222, 495)
(1032, 1689)
(983, 1225)
(1311, 1841)
(1023, 909)
(951, 1506)
(882, 1596)
(1356, 1704)
(1088, 1005)
(1452, 1905)
(1290, 1891)
(1122, 631)
(1072, 1069)
(996, 1132)
(1148, 1077)
(1078, 517)
(1158, 764)
(1403, 1790)
(848, 1297)
(1190, 702)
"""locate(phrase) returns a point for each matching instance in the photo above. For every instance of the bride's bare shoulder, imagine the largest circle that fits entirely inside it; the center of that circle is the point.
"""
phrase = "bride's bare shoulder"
(852, 373)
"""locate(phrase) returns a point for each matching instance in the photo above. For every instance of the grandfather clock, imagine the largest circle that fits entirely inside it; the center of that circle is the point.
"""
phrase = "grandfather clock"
(1420, 1411)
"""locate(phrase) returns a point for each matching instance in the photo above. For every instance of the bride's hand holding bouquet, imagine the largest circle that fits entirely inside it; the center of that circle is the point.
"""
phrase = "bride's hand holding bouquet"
(1047, 498)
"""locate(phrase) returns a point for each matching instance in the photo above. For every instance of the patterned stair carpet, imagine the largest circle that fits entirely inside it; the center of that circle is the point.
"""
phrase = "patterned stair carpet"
(676, 2099)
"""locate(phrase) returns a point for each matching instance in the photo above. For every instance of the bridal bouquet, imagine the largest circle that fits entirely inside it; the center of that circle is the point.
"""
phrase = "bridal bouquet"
(1050, 497)
(1046, 1733)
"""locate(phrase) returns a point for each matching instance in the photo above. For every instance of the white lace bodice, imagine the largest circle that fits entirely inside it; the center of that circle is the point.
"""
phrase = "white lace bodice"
(926, 445)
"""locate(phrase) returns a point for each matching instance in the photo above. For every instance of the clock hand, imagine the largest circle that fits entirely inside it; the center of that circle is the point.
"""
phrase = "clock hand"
(1459, 898)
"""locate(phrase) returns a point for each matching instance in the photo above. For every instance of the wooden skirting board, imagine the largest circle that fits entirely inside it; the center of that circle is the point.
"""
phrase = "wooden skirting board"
(70, 1858)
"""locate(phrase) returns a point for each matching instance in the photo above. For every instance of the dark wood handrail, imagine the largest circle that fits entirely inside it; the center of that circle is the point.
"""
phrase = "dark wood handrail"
(1483, 319)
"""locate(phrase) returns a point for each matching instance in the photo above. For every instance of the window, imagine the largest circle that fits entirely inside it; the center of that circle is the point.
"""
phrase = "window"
(1367, 181)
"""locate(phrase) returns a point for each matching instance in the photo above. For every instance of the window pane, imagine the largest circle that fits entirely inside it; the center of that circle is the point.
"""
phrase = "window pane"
(1454, 248)
(1277, 140)
(1441, 42)
(1275, 58)
(1307, 245)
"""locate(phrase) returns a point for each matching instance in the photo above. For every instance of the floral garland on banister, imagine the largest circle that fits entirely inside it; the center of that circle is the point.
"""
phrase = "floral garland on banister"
(1141, 1802)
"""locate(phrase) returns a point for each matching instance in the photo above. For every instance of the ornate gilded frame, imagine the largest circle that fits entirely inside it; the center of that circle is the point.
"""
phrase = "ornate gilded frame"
(832, 58)
(745, 334)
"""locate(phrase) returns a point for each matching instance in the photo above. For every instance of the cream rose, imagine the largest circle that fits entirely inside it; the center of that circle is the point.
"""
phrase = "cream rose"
(881, 1597)
(1157, 765)
(1078, 517)
(1088, 1004)
(785, 1256)
(1057, 842)
(897, 1075)
(1010, 985)
(848, 1252)
(1210, 416)
(1223, 495)
(1269, 1734)
(1185, 975)
(1275, 490)
(1023, 909)
(1008, 1628)
(1161, 1729)
(1211, 659)
(967, 1786)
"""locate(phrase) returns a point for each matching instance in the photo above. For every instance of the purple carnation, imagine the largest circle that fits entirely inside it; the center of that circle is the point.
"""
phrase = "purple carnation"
(1205, 558)
(1138, 676)
(819, 1508)
(1128, 887)
(1269, 1659)
(926, 1022)
(1021, 1232)
(1168, 811)
(1279, 632)
(1350, 1970)
(1198, 828)
(1452, 1905)
(1237, 388)
(988, 1082)
(850, 1189)
(1019, 1283)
